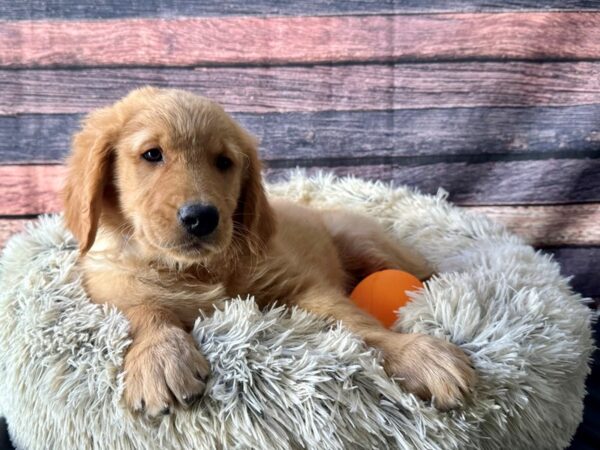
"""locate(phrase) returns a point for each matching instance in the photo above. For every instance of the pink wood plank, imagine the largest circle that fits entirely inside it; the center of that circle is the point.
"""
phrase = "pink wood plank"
(549, 225)
(8, 227)
(30, 189)
(197, 41)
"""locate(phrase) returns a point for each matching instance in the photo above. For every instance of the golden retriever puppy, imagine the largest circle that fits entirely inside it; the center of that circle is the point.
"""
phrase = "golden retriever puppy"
(165, 197)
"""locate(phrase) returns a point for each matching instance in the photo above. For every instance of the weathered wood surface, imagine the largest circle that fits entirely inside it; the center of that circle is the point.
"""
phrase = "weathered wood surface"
(31, 189)
(315, 88)
(9, 227)
(515, 182)
(277, 40)
(551, 225)
(475, 133)
(110, 9)
(501, 110)
(582, 264)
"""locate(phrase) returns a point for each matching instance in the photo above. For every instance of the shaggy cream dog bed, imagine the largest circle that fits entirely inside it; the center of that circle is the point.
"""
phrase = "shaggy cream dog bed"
(285, 379)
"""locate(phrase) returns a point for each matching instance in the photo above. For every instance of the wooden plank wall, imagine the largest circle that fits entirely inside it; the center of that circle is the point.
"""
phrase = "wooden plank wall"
(496, 102)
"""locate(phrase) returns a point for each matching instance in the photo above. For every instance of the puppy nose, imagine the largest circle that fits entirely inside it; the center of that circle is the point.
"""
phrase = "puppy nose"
(198, 219)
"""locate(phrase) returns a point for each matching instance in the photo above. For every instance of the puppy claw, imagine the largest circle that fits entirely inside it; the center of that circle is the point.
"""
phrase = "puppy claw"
(140, 408)
(201, 377)
(189, 400)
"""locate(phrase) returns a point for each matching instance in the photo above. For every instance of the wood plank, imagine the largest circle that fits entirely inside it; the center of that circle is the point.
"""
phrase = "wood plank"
(278, 40)
(552, 225)
(8, 227)
(36, 138)
(315, 88)
(111, 9)
(530, 132)
(582, 264)
(578, 262)
(491, 183)
(32, 189)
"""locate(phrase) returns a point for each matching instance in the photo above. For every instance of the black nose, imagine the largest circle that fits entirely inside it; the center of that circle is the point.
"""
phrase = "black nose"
(198, 219)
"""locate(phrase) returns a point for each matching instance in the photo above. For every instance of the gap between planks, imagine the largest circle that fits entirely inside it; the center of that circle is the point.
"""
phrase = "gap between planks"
(548, 225)
(94, 9)
(277, 40)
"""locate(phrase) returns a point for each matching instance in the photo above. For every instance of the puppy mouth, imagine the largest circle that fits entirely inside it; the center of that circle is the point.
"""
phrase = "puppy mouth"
(188, 246)
(197, 246)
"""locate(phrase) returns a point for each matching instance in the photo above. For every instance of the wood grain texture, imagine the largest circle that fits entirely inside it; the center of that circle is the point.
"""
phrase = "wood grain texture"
(552, 225)
(449, 133)
(277, 40)
(315, 88)
(32, 189)
(536, 182)
(9, 227)
(35, 138)
(582, 264)
(109, 9)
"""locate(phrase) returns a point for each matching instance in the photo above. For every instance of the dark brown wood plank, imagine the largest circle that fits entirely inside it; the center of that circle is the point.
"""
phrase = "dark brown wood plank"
(529, 132)
(36, 138)
(315, 88)
(111, 9)
(551, 225)
(277, 40)
(33, 189)
(582, 264)
(492, 183)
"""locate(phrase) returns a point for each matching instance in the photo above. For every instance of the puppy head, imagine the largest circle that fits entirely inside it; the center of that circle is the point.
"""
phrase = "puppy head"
(172, 172)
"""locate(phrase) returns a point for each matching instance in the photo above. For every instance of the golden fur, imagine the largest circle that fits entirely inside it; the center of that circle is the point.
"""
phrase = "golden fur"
(137, 256)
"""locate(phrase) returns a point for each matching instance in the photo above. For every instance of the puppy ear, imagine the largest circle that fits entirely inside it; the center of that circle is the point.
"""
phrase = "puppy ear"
(254, 213)
(87, 174)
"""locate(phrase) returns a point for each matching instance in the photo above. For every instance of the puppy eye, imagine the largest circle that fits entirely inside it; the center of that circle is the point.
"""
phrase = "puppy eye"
(223, 163)
(153, 155)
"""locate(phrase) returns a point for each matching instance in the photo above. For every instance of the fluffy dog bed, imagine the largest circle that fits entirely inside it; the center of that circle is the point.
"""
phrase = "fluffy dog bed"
(285, 379)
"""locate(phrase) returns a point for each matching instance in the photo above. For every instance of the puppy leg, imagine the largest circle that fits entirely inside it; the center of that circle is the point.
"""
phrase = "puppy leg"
(364, 247)
(163, 365)
(428, 367)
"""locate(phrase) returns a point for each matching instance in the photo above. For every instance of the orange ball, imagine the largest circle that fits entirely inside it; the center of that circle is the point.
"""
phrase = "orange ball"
(383, 292)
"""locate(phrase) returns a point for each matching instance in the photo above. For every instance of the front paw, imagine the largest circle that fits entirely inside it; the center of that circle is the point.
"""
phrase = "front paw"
(430, 368)
(163, 368)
